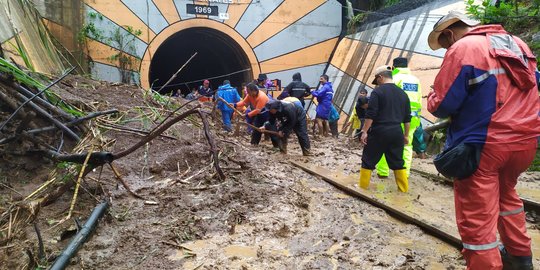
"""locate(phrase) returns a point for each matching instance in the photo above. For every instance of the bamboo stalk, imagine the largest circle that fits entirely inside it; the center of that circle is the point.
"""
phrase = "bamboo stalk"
(176, 73)
(78, 184)
(45, 115)
(29, 100)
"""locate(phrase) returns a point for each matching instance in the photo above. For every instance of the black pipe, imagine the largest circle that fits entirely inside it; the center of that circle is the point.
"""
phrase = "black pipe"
(96, 158)
(63, 260)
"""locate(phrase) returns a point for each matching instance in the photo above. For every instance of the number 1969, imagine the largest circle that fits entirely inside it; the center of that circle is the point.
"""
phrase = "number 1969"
(203, 10)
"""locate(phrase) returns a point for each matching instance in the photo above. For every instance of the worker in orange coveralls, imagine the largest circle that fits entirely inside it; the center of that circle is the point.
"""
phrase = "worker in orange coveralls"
(259, 115)
(488, 86)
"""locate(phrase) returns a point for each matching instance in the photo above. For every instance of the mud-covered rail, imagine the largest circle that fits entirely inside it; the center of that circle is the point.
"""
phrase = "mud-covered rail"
(434, 216)
(430, 228)
(529, 204)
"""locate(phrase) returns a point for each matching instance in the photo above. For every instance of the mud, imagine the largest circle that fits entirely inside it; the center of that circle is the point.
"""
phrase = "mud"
(267, 214)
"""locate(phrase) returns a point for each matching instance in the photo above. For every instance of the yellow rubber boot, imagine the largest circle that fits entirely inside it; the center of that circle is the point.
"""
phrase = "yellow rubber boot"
(402, 180)
(365, 176)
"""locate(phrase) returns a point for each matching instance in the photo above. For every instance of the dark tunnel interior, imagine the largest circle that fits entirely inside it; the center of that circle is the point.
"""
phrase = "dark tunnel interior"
(218, 54)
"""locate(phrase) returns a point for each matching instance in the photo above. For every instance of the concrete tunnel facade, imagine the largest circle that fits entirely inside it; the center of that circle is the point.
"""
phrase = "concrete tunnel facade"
(248, 37)
(243, 37)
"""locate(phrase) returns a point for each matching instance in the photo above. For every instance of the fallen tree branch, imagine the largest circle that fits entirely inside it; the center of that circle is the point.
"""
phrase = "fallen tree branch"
(41, 249)
(158, 130)
(213, 147)
(68, 124)
(74, 121)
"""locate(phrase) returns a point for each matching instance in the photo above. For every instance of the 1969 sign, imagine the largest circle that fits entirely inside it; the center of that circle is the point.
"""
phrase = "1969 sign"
(202, 9)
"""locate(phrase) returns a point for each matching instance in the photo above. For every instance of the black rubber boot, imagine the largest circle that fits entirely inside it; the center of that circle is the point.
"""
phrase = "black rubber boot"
(511, 262)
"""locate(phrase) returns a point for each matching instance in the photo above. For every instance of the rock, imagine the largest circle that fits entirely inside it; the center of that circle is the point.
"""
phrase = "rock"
(399, 261)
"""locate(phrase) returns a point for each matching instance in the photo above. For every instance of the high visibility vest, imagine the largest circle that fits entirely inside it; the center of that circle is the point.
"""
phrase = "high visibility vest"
(411, 85)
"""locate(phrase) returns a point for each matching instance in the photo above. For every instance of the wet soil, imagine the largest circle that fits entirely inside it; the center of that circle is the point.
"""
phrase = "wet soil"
(267, 214)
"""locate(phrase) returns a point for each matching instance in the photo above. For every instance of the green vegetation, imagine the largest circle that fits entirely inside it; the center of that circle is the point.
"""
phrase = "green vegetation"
(535, 166)
(124, 42)
(27, 80)
(521, 18)
(360, 16)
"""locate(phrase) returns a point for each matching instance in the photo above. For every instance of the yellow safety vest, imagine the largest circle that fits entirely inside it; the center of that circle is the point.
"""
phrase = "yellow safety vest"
(411, 85)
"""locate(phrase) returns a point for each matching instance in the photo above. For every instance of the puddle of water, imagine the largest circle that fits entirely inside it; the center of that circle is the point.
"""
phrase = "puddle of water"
(434, 264)
(532, 194)
(319, 189)
(305, 260)
(181, 254)
(535, 242)
(356, 219)
(335, 247)
(341, 195)
(335, 263)
(197, 245)
(241, 251)
(280, 252)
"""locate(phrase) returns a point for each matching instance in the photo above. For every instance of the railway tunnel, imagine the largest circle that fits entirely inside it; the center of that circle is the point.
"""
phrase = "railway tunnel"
(217, 55)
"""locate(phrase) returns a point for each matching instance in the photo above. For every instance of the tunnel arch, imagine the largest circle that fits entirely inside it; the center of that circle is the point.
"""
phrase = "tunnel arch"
(221, 50)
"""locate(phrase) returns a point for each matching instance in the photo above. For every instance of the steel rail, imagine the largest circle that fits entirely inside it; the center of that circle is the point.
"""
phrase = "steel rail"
(429, 228)
(528, 204)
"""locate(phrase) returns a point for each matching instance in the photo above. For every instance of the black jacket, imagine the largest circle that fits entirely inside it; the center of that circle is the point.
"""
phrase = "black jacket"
(289, 115)
(361, 112)
(296, 88)
(388, 105)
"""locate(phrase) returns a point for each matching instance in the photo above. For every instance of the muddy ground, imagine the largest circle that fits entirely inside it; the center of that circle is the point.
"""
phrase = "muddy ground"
(267, 214)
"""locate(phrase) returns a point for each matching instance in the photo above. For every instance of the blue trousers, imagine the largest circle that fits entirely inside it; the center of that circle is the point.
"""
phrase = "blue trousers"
(226, 116)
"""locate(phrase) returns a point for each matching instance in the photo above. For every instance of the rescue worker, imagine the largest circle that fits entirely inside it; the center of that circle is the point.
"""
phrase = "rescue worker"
(292, 118)
(297, 89)
(264, 84)
(411, 85)
(205, 92)
(388, 108)
(324, 97)
(229, 94)
(294, 100)
(419, 144)
(256, 99)
(488, 88)
(358, 115)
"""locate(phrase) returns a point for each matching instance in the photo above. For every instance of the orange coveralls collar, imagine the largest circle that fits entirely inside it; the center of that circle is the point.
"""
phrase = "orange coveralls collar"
(258, 102)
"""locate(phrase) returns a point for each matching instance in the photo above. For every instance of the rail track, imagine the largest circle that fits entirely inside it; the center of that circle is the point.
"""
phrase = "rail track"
(529, 204)
(442, 229)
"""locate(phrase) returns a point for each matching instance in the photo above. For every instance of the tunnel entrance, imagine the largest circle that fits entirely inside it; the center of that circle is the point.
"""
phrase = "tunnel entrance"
(218, 54)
